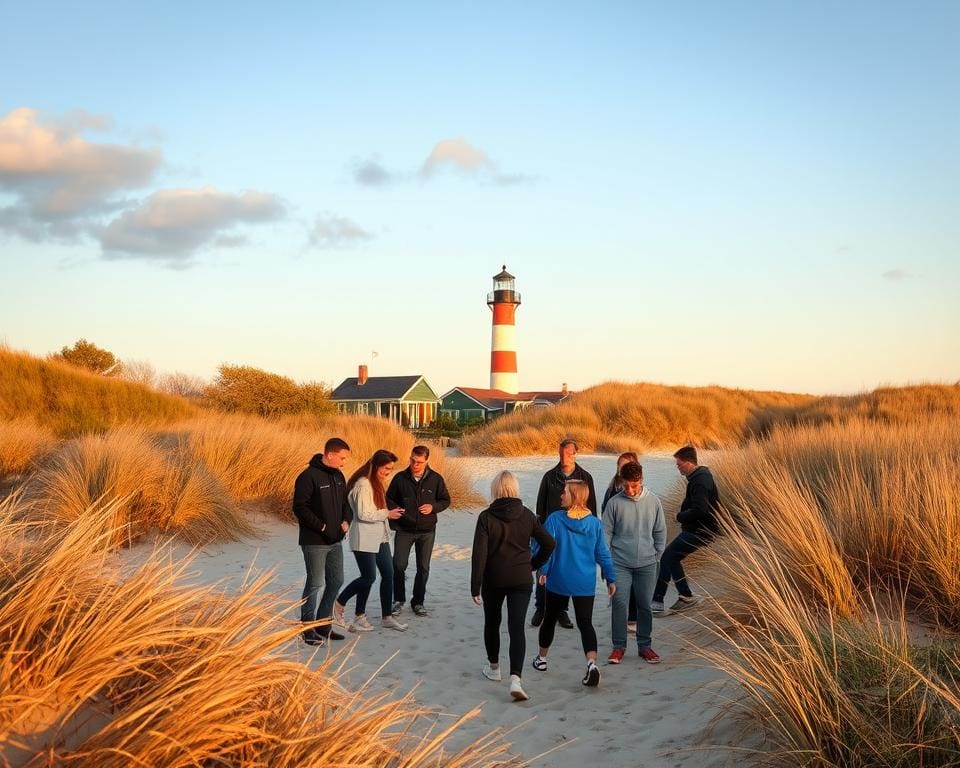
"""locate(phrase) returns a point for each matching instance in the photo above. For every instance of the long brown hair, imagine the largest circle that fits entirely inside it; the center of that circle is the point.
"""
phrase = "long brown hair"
(369, 471)
(579, 494)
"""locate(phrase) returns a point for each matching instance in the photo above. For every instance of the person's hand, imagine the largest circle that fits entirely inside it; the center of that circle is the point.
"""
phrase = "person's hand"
(611, 589)
(395, 514)
(542, 580)
(477, 600)
(426, 509)
(344, 526)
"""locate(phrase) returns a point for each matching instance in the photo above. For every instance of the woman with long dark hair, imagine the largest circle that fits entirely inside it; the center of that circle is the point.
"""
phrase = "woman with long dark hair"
(370, 542)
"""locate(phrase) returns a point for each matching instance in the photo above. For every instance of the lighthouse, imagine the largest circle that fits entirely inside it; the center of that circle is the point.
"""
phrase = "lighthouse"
(504, 301)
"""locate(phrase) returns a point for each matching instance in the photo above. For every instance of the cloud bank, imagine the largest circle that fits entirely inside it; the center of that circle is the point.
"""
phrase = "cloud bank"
(330, 232)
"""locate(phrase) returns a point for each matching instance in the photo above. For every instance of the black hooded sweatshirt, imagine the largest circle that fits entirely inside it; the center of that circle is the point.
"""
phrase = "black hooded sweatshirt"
(698, 510)
(320, 503)
(408, 494)
(501, 546)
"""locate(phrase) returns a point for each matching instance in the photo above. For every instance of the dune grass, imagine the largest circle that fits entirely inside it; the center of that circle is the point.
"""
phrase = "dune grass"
(140, 670)
(615, 417)
(838, 592)
(22, 443)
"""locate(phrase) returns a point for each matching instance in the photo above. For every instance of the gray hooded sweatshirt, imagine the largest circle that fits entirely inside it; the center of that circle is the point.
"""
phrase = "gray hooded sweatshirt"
(635, 529)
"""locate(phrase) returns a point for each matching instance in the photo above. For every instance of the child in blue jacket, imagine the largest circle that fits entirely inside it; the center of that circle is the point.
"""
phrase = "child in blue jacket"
(571, 572)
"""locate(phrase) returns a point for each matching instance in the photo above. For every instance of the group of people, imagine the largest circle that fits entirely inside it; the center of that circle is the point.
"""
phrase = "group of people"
(364, 509)
(563, 542)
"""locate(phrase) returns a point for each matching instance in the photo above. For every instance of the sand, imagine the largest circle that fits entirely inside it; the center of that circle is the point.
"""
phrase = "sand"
(640, 715)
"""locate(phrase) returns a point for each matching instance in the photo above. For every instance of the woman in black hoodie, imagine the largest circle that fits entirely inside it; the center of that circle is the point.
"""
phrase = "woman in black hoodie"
(502, 570)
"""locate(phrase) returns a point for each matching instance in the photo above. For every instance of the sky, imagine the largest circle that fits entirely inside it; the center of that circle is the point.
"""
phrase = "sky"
(762, 195)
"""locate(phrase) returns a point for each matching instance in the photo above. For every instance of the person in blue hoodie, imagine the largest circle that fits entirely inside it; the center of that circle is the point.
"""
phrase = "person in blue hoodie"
(571, 573)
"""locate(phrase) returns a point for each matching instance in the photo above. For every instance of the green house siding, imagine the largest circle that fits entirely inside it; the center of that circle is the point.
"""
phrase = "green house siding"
(464, 409)
(421, 393)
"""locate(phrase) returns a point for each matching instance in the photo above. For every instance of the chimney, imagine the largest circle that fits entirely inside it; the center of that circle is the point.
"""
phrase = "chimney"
(563, 388)
(362, 375)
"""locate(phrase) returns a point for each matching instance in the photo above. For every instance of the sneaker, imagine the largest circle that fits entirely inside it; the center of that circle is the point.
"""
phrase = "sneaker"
(492, 672)
(564, 620)
(390, 622)
(419, 610)
(616, 656)
(310, 637)
(516, 690)
(649, 655)
(657, 609)
(338, 613)
(360, 624)
(397, 608)
(539, 663)
(592, 676)
(329, 633)
(631, 627)
(537, 619)
(684, 602)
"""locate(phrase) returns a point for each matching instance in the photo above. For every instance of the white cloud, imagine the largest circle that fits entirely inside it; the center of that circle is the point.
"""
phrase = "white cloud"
(458, 154)
(172, 224)
(57, 178)
(330, 231)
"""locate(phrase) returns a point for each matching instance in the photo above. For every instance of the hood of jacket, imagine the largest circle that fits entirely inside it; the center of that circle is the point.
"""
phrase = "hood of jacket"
(581, 527)
(507, 509)
(317, 463)
(641, 495)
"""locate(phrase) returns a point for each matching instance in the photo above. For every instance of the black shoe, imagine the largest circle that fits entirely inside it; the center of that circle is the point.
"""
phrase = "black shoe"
(564, 620)
(310, 637)
(537, 619)
(329, 634)
(419, 610)
(592, 677)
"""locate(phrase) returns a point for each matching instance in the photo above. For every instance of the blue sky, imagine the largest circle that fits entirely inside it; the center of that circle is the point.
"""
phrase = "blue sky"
(753, 194)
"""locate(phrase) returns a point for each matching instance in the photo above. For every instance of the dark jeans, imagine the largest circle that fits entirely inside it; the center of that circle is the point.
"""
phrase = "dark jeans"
(518, 598)
(324, 564)
(423, 543)
(582, 607)
(671, 564)
(369, 563)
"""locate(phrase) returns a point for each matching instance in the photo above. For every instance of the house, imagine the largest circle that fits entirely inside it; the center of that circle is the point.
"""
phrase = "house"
(471, 404)
(406, 400)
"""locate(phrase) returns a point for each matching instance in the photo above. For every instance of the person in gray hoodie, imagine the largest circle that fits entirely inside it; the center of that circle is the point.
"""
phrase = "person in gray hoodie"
(636, 534)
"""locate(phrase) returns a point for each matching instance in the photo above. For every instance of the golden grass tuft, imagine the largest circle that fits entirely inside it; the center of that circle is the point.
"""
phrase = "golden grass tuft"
(615, 417)
(22, 443)
(102, 670)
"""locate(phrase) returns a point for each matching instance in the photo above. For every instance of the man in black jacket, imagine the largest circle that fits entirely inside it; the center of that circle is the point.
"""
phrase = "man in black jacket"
(698, 526)
(548, 500)
(421, 493)
(320, 504)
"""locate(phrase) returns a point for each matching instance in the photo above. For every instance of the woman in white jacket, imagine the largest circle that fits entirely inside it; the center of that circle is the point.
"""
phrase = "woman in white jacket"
(370, 541)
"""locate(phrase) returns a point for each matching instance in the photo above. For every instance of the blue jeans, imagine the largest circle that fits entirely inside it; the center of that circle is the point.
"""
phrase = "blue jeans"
(671, 564)
(324, 569)
(422, 542)
(637, 583)
(369, 563)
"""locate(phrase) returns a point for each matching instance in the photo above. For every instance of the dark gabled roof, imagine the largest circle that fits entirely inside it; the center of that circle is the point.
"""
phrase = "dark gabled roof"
(376, 388)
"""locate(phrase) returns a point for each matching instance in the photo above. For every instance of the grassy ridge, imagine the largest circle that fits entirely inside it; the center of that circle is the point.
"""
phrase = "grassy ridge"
(615, 417)
(841, 539)
(70, 401)
(99, 670)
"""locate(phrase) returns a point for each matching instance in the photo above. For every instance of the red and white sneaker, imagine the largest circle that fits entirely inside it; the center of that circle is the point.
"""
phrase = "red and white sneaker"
(616, 656)
(650, 656)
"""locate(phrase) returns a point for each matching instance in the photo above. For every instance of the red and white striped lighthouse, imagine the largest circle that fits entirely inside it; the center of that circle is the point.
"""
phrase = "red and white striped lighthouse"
(504, 301)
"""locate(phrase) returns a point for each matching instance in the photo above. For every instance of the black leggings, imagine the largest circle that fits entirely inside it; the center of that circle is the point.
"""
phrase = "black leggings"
(582, 608)
(518, 598)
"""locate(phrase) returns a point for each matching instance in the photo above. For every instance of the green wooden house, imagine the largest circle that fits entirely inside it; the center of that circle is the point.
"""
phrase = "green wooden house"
(471, 404)
(406, 400)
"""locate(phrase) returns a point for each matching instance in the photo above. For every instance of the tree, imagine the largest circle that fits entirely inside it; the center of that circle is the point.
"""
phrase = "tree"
(251, 390)
(86, 354)
(182, 384)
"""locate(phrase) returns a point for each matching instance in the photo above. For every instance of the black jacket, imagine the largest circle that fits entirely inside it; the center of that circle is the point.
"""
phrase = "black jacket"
(551, 486)
(501, 546)
(407, 493)
(698, 510)
(320, 503)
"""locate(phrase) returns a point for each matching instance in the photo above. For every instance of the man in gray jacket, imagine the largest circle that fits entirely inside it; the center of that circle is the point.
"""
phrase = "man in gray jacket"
(636, 534)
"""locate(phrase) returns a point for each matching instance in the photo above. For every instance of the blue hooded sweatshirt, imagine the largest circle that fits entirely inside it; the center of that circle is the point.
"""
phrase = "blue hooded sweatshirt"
(581, 547)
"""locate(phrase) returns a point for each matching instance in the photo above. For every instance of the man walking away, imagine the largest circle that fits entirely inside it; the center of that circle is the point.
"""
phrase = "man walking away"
(320, 505)
(422, 494)
(698, 526)
(548, 501)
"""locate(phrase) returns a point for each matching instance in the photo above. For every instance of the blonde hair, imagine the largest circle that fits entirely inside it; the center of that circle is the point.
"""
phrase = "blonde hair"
(505, 486)
(579, 494)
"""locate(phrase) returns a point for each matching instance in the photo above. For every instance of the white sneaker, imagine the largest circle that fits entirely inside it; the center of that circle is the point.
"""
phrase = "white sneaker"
(390, 622)
(492, 672)
(360, 624)
(516, 690)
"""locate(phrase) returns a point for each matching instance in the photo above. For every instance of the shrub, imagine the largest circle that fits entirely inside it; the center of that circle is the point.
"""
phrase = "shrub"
(243, 389)
(86, 354)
